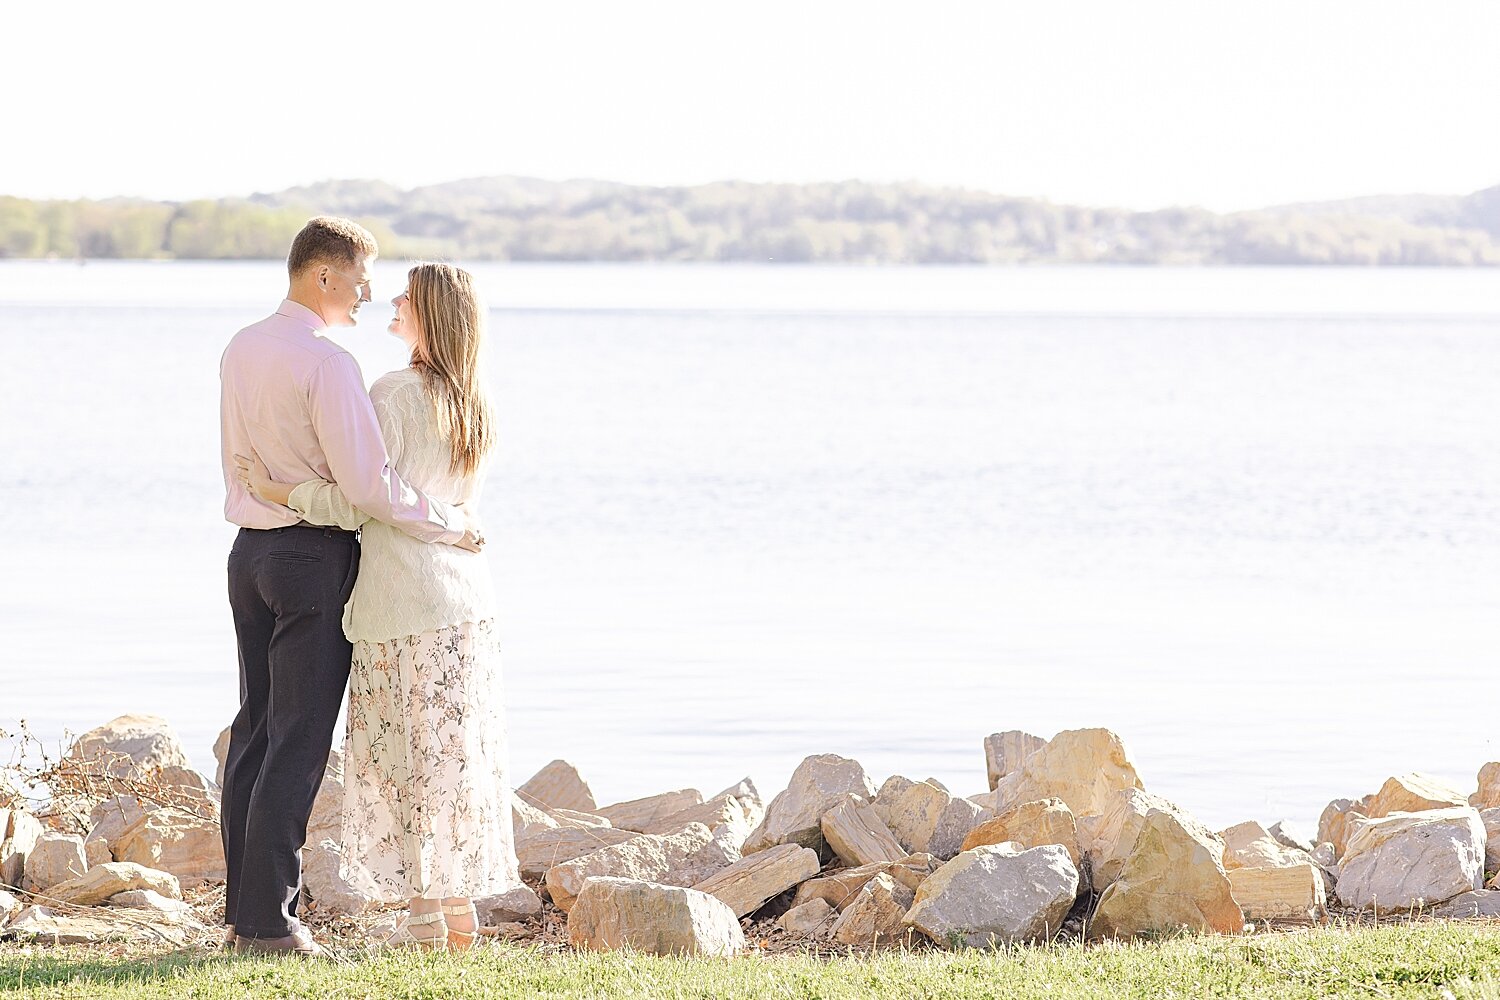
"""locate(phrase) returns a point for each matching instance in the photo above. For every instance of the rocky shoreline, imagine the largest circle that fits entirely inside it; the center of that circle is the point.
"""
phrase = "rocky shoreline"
(118, 842)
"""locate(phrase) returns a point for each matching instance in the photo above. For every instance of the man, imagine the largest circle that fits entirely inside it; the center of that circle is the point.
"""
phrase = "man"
(298, 400)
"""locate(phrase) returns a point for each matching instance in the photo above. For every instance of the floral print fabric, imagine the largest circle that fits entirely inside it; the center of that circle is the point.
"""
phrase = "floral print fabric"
(427, 794)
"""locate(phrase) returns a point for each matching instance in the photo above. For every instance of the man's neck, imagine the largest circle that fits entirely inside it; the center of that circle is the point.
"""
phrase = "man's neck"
(303, 299)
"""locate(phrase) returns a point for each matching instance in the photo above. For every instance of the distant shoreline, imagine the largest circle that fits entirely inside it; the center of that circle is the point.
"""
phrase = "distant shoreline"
(527, 220)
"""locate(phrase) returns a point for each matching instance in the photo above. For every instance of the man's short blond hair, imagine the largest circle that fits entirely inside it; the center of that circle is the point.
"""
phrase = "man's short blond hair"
(330, 240)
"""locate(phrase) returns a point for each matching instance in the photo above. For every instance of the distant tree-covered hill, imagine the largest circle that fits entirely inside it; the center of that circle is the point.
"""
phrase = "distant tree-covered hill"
(519, 218)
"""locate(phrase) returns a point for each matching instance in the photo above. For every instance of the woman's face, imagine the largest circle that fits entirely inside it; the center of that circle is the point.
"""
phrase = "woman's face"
(404, 325)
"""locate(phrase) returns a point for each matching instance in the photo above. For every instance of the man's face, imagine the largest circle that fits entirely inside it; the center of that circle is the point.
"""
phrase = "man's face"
(345, 291)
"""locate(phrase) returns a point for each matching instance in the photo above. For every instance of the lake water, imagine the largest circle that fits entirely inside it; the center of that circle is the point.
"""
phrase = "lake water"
(1249, 519)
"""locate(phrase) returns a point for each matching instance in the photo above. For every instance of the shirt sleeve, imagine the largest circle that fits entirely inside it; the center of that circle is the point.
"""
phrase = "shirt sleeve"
(345, 422)
(324, 503)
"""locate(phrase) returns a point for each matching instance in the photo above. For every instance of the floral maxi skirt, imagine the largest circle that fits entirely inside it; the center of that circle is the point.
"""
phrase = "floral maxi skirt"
(427, 793)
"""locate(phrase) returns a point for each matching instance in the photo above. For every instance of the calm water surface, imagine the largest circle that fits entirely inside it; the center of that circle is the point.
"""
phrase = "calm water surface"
(1250, 519)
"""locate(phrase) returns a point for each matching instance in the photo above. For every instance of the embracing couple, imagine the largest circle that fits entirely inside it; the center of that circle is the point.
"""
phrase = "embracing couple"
(356, 567)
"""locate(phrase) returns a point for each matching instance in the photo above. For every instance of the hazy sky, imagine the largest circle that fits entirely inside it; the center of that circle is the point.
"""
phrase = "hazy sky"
(1223, 104)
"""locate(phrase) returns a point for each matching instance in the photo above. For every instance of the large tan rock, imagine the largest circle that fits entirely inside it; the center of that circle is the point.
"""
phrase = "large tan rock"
(1250, 845)
(56, 857)
(682, 859)
(1414, 792)
(221, 754)
(1173, 879)
(1282, 893)
(1083, 767)
(132, 744)
(858, 835)
(1006, 752)
(876, 916)
(19, 832)
(1488, 795)
(1112, 837)
(527, 820)
(331, 892)
(996, 894)
(103, 881)
(812, 919)
(838, 888)
(1338, 822)
(559, 786)
(818, 784)
(1404, 860)
(749, 883)
(1030, 824)
(154, 902)
(544, 850)
(171, 840)
(642, 814)
(96, 851)
(612, 913)
(113, 816)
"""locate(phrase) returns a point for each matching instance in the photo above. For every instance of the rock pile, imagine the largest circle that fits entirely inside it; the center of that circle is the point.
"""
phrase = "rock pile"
(1066, 841)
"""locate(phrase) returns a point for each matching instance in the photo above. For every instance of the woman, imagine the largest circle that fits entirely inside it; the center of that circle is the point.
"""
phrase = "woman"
(427, 800)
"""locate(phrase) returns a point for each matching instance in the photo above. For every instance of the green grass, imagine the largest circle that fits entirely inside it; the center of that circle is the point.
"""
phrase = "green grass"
(1431, 960)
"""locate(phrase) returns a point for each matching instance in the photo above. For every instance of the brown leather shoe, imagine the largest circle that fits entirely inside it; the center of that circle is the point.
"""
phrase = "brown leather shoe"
(229, 937)
(300, 944)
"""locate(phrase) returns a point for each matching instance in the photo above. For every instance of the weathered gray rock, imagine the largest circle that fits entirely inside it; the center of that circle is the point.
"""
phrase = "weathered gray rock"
(221, 754)
(1469, 905)
(1282, 893)
(327, 819)
(155, 902)
(996, 894)
(19, 832)
(56, 857)
(171, 840)
(96, 851)
(1414, 792)
(818, 784)
(838, 888)
(1288, 834)
(681, 859)
(103, 881)
(1491, 820)
(612, 913)
(331, 892)
(1405, 860)
(746, 885)
(42, 925)
(812, 919)
(112, 816)
(1085, 768)
(925, 818)
(135, 742)
(559, 786)
(544, 850)
(520, 903)
(876, 916)
(858, 835)
(733, 814)
(1172, 879)
(642, 814)
(1030, 824)
(1006, 752)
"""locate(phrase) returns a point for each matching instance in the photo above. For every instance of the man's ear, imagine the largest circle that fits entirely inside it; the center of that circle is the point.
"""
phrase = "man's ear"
(323, 270)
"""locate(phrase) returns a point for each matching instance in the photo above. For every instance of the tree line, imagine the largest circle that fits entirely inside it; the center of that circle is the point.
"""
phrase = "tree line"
(508, 218)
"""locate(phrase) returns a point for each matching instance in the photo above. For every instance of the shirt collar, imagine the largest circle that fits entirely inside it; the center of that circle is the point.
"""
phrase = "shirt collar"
(300, 313)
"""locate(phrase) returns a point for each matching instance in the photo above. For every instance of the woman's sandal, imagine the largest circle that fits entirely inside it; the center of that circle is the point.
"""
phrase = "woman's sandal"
(404, 938)
(462, 940)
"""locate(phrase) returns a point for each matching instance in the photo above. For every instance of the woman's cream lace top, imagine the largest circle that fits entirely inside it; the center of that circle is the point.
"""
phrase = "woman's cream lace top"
(406, 587)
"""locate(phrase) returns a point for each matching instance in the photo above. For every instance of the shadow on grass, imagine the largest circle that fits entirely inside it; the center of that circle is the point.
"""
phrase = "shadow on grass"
(19, 970)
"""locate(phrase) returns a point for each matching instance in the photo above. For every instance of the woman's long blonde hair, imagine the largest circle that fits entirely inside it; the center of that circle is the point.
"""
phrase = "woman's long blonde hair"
(450, 320)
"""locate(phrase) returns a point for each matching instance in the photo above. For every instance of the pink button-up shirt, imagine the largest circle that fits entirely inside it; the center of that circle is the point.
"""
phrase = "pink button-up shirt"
(298, 400)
